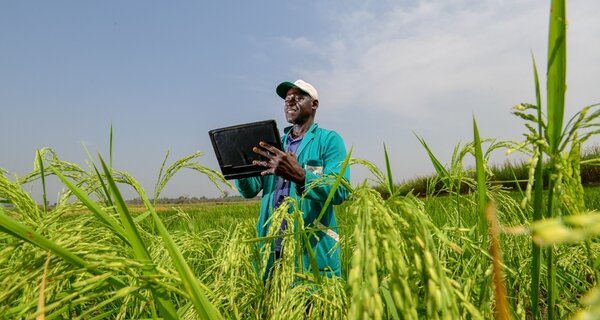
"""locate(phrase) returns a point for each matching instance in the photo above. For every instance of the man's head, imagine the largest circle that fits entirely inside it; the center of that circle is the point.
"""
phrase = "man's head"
(300, 101)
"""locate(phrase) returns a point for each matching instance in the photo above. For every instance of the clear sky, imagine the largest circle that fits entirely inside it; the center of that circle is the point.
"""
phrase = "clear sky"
(164, 73)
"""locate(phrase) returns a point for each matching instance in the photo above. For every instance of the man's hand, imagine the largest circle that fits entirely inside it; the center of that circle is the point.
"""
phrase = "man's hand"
(279, 163)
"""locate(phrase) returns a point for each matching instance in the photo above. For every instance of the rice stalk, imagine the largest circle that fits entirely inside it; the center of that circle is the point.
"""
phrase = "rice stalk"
(187, 162)
(41, 301)
(379, 177)
(235, 283)
(88, 182)
(24, 233)
(95, 208)
(501, 309)
(204, 308)
(20, 199)
(395, 267)
(538, 185)
(139, 247)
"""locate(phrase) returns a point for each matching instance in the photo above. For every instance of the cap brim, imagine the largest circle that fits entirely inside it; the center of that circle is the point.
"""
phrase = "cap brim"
(283, 88)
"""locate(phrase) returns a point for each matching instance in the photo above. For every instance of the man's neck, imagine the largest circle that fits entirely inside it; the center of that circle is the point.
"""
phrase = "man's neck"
(299, 130)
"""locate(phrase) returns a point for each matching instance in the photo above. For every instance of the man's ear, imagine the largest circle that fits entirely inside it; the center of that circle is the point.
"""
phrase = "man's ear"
(315, 104)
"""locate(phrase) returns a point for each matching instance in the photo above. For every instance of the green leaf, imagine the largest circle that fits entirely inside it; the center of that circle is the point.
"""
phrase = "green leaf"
(140, 251)
(439, 168)
(204, 308)
(389, 301)
(557, 72)
(556, 87)
(110, 147)
(391, 187)
(481, 180)
(338, 180)
(43, 176)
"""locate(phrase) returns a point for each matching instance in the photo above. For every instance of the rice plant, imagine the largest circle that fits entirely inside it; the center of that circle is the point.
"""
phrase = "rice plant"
(42, 229)
(547, 137)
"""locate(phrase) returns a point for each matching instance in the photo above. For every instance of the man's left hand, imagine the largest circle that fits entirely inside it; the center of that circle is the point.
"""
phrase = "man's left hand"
(279, 163)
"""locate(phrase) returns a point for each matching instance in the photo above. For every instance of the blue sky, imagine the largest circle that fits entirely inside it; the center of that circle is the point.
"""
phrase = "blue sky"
(165, 73)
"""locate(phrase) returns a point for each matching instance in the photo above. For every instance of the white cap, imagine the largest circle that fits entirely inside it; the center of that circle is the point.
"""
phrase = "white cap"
(283, 88)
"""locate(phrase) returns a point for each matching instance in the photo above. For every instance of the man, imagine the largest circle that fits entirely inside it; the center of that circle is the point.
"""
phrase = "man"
(310, 154)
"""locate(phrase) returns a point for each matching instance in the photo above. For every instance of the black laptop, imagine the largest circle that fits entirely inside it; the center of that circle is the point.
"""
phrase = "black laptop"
(233, 147)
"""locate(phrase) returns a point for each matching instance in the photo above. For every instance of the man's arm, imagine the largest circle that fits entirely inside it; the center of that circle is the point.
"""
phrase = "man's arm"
(249, 187)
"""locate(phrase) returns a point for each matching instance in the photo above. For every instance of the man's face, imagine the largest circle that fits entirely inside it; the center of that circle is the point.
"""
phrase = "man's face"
(299, 106)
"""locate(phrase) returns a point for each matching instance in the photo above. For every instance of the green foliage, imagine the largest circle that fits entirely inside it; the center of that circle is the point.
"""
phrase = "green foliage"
(510, 175)
(437, 260)
(38, 227)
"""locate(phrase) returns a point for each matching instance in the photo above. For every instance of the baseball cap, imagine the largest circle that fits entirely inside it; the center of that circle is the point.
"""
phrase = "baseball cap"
(283, 88)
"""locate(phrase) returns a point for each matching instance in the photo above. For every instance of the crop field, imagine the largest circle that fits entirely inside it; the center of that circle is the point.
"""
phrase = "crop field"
(402, 257)
(467, 248)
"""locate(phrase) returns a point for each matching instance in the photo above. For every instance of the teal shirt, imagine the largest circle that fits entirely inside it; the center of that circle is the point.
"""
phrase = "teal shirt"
(322, 152)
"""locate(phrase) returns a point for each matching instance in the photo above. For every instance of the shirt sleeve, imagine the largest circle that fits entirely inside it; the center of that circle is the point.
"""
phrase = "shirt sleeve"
(249, 187)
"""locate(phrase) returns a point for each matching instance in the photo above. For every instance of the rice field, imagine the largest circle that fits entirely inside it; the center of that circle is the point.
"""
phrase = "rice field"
(402, 257)
(477, 252)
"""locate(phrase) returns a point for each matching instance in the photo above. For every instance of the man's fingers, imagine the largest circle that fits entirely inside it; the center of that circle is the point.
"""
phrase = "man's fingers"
(268, 172)
(266, 150)
(269, 147)
(264, 145)
(260, 163)
(262, 152)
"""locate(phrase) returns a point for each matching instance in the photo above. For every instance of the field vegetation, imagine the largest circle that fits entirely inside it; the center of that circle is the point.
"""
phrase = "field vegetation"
(465, 248)
(510, 175)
